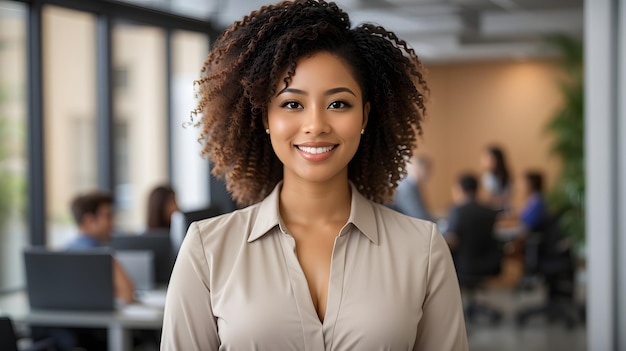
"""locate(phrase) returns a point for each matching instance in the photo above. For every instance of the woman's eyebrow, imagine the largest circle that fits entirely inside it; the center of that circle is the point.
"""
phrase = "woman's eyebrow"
(292, 90)
(339, 90)
(327, 93)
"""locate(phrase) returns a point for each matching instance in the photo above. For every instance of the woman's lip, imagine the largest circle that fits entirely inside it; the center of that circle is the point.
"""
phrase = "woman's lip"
(316, 153)
(316, 144)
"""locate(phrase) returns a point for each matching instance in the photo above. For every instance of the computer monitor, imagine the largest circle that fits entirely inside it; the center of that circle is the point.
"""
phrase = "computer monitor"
(182, 220)
(139, 265)
(158, 242)
(69, 280)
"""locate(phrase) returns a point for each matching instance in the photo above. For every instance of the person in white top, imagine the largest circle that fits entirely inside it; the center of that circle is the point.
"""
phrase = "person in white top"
(311, 122)
(496, 178)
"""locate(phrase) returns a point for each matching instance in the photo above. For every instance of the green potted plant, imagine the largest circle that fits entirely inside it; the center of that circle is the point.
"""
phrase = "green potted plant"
(567, 128)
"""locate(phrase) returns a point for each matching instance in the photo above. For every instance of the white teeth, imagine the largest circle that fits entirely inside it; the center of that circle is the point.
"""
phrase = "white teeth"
(315, 150)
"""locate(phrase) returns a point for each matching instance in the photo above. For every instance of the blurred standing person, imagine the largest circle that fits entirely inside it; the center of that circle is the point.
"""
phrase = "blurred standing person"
(161, 205)
(408, 198)
(496, 178)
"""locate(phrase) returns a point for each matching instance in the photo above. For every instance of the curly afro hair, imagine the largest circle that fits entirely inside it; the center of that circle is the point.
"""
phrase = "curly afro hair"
(246, 64)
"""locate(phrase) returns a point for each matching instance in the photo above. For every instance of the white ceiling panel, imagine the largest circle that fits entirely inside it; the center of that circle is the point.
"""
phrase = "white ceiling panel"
(440, 30)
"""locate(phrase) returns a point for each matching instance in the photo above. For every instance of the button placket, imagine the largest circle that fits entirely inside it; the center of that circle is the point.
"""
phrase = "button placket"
(311, 325)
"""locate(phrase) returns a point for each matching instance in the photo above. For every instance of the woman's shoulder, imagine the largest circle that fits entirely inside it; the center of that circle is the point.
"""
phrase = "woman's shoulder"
(398, 222)
(235, 224)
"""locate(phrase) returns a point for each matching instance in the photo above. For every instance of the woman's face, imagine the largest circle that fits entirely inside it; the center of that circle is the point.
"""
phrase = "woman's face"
(486, 161)
(315, 124)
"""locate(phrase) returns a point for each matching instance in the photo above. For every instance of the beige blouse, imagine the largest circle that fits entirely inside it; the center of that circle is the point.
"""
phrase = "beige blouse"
(237, 285)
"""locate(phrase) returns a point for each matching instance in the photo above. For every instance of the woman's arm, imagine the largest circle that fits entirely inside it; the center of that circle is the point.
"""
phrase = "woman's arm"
(188, 321)
(442, 326)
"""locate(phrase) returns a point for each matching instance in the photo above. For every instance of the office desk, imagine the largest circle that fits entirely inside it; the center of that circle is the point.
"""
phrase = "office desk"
(118, 323)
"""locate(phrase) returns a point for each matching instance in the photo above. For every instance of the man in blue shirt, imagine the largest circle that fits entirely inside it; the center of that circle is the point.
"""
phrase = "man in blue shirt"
(93, 214)
(409, 198)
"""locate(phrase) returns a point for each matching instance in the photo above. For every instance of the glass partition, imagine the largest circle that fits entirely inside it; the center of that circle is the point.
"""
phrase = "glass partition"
(69, 68)
(140, 120)
(189, 170)
(13, 159)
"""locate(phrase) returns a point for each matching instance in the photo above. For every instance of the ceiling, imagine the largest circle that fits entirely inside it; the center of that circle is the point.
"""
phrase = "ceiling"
(439, 30)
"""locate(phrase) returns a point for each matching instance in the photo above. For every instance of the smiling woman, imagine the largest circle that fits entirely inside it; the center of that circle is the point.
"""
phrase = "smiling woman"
(315, 124)
(311, 123)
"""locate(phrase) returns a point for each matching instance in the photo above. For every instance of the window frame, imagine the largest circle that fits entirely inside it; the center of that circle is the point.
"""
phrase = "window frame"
(107, 13)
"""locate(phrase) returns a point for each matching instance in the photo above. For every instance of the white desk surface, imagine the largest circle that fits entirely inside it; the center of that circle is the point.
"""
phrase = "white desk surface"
(147, 315)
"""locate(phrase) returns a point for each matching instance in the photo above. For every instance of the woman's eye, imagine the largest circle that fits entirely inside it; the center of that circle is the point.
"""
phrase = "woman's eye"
(338, 105)
(291, 105)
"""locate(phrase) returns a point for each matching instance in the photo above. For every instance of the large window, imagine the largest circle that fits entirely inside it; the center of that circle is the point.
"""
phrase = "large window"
(140, 123)
(56, 107)
(13, 162)
(189, 170)
(69, 67)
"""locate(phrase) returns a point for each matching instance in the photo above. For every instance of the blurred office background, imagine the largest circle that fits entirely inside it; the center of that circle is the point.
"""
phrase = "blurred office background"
(95, 93)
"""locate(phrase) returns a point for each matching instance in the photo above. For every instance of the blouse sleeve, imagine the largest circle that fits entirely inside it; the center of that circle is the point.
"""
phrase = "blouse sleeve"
(442, 326)
(188, 320)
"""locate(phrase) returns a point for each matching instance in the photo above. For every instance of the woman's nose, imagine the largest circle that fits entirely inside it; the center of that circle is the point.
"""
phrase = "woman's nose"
(315, 122)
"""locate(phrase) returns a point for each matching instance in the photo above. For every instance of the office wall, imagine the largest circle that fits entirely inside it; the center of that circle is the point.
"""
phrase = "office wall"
(475, 104)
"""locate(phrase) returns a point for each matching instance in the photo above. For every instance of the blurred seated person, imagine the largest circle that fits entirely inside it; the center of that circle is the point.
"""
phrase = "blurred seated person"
(532, 218)
(408, 198)
(161, 205)
(93, 213)
(475, 251)
(534, 213)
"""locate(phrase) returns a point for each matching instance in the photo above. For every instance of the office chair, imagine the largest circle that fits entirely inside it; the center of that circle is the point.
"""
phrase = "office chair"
(9, 339)
(477, 257)
(548, 259)
(471, 282)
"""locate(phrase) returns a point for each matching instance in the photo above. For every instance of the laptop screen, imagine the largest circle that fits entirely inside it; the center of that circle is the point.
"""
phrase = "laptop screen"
(69, 280)
(158, 243)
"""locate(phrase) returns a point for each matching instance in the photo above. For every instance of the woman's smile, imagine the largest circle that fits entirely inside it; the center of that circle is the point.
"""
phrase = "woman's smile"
(315, 123)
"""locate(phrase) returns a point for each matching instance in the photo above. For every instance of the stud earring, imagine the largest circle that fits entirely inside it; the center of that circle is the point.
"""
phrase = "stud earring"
(362, 131)
(267, 131)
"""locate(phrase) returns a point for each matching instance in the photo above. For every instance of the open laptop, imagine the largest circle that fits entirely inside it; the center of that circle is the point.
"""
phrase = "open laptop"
(139, 265)
(156, 242)
(69, 280)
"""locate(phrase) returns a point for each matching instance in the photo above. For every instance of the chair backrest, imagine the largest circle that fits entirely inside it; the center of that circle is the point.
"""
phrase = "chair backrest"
(554, 250)
(69, 280)
(8, 340)
(479, 252)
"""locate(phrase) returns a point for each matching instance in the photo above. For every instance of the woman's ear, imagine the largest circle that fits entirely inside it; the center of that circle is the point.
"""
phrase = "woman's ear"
(266, 124)
(366, 114)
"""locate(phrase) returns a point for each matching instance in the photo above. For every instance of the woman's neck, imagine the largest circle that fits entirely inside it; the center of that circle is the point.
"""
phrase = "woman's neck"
(306, 203)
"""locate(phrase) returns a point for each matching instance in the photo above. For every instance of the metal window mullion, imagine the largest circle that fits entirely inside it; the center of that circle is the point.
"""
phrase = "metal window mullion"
(621, 176)
(36, 156)
(134, 12)
(169, 102)
(104, 122)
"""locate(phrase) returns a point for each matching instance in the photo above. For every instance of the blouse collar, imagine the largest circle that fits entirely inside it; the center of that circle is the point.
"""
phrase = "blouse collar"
(362, 215)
